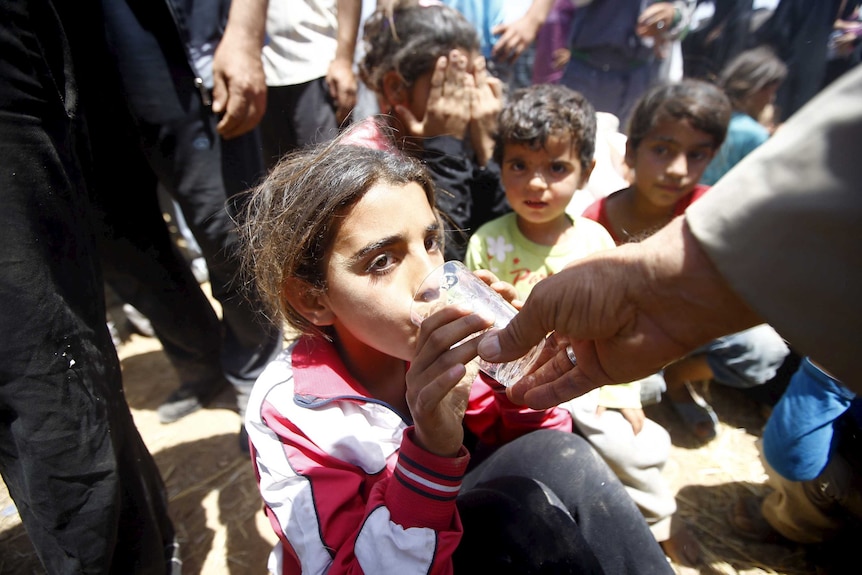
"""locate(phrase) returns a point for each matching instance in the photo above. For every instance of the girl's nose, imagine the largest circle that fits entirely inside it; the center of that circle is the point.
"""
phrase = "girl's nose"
(679, 165)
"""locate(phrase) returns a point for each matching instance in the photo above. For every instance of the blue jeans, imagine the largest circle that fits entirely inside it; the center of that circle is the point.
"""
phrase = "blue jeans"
(747, 358)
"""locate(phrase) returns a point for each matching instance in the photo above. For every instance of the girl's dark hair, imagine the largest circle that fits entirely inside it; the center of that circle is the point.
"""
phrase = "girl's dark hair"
(703, 104)
(750, 72)
(409, 37)
(288, 223)
(534, 114)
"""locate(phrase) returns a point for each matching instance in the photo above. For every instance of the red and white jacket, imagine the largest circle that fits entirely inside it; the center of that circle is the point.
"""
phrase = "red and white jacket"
(343, 484)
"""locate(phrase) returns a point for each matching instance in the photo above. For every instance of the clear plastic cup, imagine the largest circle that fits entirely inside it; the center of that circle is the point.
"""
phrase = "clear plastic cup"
(453, 284)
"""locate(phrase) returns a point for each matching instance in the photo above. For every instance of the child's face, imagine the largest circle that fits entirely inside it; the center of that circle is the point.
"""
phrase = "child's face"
(669, 161)
(386, 245)
(540, 183)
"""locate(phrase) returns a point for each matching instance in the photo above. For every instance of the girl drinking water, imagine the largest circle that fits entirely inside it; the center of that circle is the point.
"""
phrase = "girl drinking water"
(378, 446)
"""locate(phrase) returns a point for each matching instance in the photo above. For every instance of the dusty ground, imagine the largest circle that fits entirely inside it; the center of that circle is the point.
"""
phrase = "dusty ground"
(217, 513)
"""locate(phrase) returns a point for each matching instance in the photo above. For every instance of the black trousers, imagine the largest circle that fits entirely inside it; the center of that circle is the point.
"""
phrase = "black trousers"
(547, 503)
(88, 491)
(157, 131)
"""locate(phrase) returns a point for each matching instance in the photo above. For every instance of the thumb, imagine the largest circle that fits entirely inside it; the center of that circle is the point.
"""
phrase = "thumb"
(514, 340)
(219, 94)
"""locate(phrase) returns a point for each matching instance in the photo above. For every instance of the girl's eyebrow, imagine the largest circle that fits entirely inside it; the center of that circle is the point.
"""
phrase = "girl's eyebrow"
(385, 242)
(704, 144)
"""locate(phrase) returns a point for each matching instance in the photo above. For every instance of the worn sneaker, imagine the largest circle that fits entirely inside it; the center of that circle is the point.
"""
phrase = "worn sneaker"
(185, 401)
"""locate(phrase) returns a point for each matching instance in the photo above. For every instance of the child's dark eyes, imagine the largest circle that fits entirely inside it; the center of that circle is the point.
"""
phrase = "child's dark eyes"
(517, 166)
(434, 243)
(381, 264)
(559, 168)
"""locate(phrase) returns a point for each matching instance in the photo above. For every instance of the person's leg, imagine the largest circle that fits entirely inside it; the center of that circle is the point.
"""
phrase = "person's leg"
(144, 266)
(206, 174)
(681, 380)
(88, 491)
(820, 509)
(606, 516)
(514, 526)
(296, 116)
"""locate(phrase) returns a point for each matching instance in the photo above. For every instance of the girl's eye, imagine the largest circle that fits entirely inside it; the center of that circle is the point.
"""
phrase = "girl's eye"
(660, 150)
(559, 168)
(382, 264)
(433, 243)
(697, 156)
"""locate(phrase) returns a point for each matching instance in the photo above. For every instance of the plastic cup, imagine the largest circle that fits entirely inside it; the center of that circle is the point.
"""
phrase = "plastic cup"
(453, 284)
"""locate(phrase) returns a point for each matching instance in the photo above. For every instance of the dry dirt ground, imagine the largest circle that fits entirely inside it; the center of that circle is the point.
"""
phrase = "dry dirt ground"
(217, 514)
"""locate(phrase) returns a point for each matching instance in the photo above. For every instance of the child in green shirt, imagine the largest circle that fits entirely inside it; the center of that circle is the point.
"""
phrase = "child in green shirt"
(545, 144)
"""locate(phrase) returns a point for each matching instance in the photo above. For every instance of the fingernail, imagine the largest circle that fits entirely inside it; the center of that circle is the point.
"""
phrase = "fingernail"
(489, 347)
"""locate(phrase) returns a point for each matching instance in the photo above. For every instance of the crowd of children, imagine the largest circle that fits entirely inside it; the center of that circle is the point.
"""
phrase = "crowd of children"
(380, 446)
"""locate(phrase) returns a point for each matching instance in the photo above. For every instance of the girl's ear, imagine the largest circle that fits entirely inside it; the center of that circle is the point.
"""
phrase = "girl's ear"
(310, 302)
(394, 89)
(631, 152)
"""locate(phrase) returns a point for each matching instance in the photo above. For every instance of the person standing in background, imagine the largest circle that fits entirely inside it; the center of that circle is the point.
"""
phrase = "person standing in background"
(311, 83)
(191, 79)
(621, 48)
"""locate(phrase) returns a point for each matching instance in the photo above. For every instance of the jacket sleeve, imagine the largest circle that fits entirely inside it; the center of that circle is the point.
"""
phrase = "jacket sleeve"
(495, 420)
(343, 508)
(782, 227)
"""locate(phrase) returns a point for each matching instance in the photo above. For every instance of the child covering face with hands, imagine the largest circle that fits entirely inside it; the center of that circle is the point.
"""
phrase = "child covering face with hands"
(440, 105)
(377, 446)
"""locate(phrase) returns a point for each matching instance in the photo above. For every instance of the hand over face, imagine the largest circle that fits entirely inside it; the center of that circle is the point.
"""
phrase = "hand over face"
(447, 108)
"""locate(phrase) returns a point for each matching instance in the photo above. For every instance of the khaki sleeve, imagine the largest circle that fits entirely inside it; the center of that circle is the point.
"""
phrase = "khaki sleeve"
(784, 227)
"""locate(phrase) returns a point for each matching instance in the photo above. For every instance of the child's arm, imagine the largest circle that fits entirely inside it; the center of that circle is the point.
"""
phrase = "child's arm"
(437, 391)
(345, 490)
(496, 420)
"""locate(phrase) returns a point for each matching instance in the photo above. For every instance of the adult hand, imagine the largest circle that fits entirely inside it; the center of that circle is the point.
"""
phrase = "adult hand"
(342, 84)
(239, 84)
(514, 38)
(447, 110)
(626, 312)
(656, 20)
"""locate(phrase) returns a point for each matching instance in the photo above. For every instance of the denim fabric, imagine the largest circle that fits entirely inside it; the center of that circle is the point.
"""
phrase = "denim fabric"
(747, 358)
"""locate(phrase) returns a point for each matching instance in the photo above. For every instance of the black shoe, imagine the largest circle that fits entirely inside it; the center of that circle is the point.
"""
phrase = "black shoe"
(184, 401)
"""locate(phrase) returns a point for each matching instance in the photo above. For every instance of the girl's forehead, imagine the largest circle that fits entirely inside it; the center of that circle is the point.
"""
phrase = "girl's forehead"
(679, 131)
(386, 207)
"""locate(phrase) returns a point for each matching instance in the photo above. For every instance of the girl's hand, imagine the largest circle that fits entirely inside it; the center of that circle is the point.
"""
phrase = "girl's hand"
(485, 105)
(438, 382)
(447, 110)
(505, 289)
